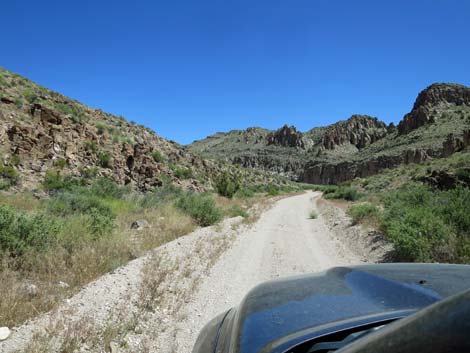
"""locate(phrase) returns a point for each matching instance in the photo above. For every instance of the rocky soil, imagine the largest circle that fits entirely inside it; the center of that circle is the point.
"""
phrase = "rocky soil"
(159, 303)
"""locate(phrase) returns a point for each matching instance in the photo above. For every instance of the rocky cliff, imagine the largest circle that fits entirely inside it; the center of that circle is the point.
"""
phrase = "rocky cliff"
(437, 126)
(430, 101)
(286, 136)
(358, 130)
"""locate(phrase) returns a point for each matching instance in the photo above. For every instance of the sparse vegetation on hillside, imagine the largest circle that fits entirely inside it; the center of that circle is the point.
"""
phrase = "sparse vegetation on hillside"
(422, 209)
(82, 230)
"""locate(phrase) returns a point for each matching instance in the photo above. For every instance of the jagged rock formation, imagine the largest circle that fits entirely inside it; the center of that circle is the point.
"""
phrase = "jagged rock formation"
(435, 97)
(286, 136)
(438, 126)
(358, 130)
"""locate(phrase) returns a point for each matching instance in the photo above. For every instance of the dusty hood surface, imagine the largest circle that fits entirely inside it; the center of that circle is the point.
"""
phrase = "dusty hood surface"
(278, 314)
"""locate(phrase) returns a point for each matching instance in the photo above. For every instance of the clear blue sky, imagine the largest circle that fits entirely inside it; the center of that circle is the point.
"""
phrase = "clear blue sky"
(190, 68)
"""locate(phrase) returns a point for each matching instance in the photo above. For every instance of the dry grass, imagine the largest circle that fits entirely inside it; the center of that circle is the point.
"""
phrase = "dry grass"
(77, 261)
(82, 263)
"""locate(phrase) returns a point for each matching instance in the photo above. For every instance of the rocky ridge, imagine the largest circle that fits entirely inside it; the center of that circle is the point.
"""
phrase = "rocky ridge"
(437, 126)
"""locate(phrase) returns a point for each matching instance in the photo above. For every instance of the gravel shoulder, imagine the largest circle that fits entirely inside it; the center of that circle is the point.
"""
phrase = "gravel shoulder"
(158, 303)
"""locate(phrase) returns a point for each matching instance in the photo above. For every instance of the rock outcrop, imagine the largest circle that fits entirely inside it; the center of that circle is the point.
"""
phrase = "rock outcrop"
(358, 130)
(435, 97)
(47, 131)
(330, 173)
(286, 136)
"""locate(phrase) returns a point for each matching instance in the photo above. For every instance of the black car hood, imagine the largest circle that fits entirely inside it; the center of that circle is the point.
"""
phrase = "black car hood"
(274, 313)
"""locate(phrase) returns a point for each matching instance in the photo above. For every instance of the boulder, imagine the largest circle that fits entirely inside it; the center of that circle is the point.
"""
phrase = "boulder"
(30, 290)
(4, 333)
(140, 224)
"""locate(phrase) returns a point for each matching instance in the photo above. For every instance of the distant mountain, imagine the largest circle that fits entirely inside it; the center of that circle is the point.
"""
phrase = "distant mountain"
(438, 126)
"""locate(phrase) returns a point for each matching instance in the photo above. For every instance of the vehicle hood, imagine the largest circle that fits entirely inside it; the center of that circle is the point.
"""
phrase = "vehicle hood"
(276, 311)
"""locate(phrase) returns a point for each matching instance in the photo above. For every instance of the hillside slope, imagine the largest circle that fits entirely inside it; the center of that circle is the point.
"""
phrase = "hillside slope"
(437, 126)
(43, 132)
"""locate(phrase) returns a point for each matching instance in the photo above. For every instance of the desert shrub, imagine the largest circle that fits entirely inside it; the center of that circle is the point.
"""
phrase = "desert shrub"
(8, 176)
(244, 192)
(344, 192)
(30, 96)
(160, 196)
(19, 103)
(157, 156)
(362, 211)
(272, 190)
(325, 189)
(80, 201)
(201, 207)
(60, 163)
(14, 160)
(181, 172)
(20, 232)
(100, 128)
(3, 82)
(89, 173)
(235, 211)
(313, 214)
(54, 181)
(107, 188)
(75, 113)
(91, 146)
(104, 159)
(227, 185)
(463, 174)
(426, 224)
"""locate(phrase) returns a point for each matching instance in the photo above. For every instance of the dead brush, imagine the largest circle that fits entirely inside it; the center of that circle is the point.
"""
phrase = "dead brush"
(154, 273)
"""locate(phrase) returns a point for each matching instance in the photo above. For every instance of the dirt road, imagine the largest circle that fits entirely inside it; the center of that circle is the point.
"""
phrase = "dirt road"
(201, 275)
(285, 241)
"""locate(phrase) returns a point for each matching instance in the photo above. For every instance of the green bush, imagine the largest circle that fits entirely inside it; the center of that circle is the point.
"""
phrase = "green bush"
(426, 224)
(107, 188)
(343, 192)
(20, 232)
(19, 103)
(181, 172)
(89, 173)
(30, 96)
(8, 176)
(164, 194)
(91, 146)
(313, 214)
(54, 181)
(245, 192)
(100, 128)
(158, 156)
(201, 207)
(104, 159)
(362, 211)
(272, 190)
(75, 113)
(325, 189)
(227, 185)
(80, 201)
(236, 211)
(60, 163)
